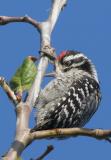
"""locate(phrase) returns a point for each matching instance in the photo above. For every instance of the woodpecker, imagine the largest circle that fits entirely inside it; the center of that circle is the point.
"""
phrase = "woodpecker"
(72, 97)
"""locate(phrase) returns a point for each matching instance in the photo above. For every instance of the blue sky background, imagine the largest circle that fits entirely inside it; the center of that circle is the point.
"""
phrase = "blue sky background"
(83, 25)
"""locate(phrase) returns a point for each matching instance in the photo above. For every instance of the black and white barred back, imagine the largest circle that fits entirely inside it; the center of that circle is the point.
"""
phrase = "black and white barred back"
(72, 98)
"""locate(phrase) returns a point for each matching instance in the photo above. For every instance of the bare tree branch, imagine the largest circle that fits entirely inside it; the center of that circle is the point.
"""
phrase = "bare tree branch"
(46, 29)
(23, 136)
(20, 144)
(66, 132)
(6, 19)
(47, 151)
(8, 91)
(56, 8)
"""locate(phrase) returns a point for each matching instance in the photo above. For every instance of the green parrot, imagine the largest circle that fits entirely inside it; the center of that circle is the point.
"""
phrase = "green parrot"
(24, 76)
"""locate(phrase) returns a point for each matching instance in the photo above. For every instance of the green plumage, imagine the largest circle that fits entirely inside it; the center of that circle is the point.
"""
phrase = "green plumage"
(19, 158)
(24, 76)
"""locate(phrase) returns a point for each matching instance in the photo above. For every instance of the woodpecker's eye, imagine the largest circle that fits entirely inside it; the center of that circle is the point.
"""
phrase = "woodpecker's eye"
(68, 60)
(68, 63)
(73, 60)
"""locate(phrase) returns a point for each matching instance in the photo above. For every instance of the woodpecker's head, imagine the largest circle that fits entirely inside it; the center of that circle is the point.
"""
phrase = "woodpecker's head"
(73, 59)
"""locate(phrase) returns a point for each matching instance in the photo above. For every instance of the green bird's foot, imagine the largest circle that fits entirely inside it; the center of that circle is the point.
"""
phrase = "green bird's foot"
(19, 96)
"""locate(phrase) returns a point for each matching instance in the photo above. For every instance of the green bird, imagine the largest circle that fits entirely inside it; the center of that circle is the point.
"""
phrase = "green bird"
(24, 76)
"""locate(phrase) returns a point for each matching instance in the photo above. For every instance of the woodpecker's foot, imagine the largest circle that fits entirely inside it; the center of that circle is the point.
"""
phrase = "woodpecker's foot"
(38, 128)
(48, 52)
(34, 129)
(52, 74)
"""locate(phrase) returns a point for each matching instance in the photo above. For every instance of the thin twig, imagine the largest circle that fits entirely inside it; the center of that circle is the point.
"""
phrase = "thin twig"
(6, 19)
(108, 139)
(47, 151)
(73, 132)
(8, 91)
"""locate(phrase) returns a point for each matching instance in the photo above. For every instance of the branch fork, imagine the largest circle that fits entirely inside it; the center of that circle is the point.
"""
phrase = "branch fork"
(8, 91)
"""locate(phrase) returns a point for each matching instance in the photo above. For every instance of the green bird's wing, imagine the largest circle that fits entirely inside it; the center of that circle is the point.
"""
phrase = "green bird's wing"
(24, 76)
(28, 74)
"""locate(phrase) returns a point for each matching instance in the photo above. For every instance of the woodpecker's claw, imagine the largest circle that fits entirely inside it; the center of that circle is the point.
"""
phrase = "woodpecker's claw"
(34, 129)
(52, 74)
(48, 52)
